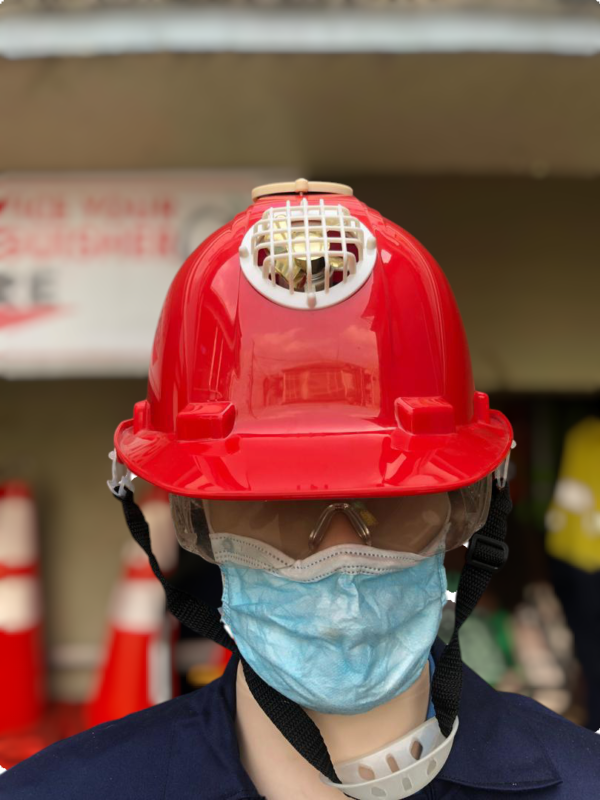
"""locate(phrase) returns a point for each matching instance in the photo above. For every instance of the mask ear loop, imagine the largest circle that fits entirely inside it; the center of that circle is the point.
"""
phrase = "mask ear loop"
(290, 719)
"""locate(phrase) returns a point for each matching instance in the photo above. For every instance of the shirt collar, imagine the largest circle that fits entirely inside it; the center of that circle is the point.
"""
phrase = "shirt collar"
(486, 727)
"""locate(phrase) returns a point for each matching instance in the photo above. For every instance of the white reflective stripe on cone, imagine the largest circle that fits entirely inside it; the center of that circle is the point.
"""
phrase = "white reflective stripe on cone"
(138, 606)
(18, 532)
(20, 603)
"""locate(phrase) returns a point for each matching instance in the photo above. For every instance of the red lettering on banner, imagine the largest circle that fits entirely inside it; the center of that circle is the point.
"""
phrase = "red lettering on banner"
(119, 207)
(139, 241)
(8, 243)
(166, 244)
(37, 208)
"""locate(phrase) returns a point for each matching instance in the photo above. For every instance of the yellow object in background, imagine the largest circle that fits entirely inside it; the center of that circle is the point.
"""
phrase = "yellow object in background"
(203, 674)
(573, 519)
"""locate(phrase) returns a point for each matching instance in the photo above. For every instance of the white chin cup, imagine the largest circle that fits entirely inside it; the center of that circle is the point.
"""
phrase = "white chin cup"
(396, 772)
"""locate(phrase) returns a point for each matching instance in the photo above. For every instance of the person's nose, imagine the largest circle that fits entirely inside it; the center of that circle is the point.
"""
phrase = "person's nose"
(339, 531)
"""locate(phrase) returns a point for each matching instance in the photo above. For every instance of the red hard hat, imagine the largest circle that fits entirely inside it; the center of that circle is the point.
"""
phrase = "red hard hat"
(356, 384)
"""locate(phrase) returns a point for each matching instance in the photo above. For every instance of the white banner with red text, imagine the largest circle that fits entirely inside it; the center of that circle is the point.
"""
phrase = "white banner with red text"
(86, 262)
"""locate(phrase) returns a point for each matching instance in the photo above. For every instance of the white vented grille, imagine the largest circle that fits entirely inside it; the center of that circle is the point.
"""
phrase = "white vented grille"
(307, 256)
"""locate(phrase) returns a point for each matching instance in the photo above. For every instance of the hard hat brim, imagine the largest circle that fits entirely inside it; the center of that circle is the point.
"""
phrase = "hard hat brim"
(365, 464)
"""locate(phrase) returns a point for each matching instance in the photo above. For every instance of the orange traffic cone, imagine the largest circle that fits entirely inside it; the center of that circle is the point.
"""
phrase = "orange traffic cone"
(22, 669)
(138, 670)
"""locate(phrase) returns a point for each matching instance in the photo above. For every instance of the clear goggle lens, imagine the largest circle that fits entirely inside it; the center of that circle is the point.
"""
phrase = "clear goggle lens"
(422, 524)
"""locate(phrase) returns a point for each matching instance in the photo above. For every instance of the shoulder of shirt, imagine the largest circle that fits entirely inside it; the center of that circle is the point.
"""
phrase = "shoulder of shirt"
(141, 755)
(573, 749)
(511, 743)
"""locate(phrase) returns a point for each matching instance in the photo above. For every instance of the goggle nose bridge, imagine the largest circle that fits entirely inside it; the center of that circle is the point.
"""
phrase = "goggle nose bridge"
(358, 523)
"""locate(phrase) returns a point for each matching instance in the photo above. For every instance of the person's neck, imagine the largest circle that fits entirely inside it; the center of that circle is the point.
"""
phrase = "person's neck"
(280, 773)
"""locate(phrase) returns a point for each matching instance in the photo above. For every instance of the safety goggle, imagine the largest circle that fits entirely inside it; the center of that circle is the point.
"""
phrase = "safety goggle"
(421, 524)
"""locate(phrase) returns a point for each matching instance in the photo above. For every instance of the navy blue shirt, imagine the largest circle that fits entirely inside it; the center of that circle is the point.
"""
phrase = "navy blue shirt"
(186, 749)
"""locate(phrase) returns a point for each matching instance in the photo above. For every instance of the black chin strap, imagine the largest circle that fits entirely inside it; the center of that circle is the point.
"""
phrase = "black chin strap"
(486, 554)
(291, 720)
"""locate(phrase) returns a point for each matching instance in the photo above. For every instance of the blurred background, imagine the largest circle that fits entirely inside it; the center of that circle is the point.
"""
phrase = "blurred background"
(131, 130)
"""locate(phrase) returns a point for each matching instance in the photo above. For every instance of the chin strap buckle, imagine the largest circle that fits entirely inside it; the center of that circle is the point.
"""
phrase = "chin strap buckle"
(122, 477)
(486, 553)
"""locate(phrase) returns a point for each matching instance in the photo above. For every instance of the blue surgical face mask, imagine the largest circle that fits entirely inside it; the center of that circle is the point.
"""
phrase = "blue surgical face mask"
(340, 632)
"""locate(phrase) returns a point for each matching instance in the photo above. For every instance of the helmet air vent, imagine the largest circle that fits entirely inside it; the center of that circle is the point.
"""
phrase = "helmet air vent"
(306, 256)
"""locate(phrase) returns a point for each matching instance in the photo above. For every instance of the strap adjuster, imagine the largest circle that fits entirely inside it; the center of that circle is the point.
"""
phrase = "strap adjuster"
(475, 553)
